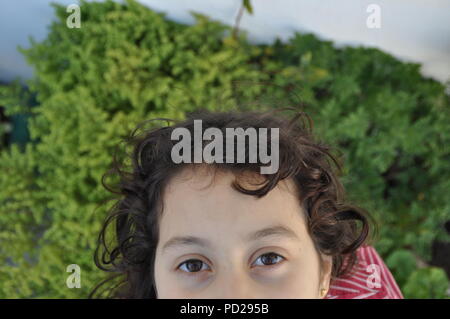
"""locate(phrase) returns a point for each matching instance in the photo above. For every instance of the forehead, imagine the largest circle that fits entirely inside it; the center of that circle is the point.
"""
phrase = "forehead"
(202, 201)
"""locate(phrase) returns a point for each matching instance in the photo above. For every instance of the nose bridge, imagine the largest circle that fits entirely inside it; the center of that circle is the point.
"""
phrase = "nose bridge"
(234, 283)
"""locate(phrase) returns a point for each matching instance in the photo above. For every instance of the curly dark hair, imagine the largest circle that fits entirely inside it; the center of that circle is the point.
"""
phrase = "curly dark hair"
(337, 227)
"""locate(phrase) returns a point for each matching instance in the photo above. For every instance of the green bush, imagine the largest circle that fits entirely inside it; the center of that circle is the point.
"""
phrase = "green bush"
(127, 63)
(391, 124)
(93, 85)
(403, 263)
(430, 282)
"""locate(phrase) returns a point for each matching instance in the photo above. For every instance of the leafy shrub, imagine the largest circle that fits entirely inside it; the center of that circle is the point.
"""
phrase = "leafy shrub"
(391, 124)
(403, 263)
(94, 85)
(430, 282)
(127, 63)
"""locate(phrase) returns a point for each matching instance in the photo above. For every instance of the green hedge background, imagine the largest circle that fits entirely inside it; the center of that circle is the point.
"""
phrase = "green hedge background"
(127, 63)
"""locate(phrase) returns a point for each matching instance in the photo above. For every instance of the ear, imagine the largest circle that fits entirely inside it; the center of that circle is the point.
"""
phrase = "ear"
(325, 274)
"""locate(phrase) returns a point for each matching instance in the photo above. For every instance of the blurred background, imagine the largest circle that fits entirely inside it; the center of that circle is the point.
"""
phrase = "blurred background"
(76, 77)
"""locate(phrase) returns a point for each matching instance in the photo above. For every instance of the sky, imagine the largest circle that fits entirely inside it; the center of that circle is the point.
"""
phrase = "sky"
(412, 30)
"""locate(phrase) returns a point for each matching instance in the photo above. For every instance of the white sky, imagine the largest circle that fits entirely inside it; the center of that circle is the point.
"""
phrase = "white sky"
(412, 30)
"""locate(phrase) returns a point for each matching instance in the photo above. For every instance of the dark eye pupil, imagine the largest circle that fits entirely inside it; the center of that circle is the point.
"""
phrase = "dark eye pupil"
(194, 265)
(269, 259)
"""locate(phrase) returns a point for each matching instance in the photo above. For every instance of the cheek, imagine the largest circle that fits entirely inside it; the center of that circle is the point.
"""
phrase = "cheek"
(166, 288)
(301, 278)
(170, 285)
(299, 281)
(163, 283)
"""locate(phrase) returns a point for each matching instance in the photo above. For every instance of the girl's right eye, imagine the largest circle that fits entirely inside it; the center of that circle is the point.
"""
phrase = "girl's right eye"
(193, 265)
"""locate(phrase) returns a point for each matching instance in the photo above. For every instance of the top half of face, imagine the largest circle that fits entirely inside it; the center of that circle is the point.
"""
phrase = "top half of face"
(204, 215)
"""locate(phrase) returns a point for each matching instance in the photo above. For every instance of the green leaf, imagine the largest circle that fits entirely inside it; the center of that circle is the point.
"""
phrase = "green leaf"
(248, 6)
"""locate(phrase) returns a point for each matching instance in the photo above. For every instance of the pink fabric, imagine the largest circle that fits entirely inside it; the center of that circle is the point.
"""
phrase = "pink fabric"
(370, 279)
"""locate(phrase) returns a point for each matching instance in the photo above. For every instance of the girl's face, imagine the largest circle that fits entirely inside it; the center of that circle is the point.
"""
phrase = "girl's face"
(216, 242)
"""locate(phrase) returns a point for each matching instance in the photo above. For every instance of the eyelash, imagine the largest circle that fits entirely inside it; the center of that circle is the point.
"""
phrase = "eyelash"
(272, 265)
(203, 263)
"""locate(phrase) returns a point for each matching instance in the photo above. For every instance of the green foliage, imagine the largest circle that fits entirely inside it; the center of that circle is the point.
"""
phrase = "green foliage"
(403, 263)
(94, 85)
(430, 282)
(127, 63)
(15, 98)
(248, 6)
(391, 124)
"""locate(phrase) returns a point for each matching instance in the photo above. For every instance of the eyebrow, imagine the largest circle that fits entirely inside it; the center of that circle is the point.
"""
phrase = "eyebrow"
(277, 230)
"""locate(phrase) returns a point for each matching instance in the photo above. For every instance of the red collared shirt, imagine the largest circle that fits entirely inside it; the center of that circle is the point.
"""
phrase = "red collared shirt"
(370, 279)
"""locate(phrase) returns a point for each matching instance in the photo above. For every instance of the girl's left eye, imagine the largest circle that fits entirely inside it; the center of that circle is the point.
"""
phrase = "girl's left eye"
(193, 266)
(268, 259)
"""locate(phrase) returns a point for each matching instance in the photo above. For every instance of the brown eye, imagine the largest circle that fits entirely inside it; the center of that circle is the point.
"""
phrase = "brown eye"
(192, 265)
(268, 259)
